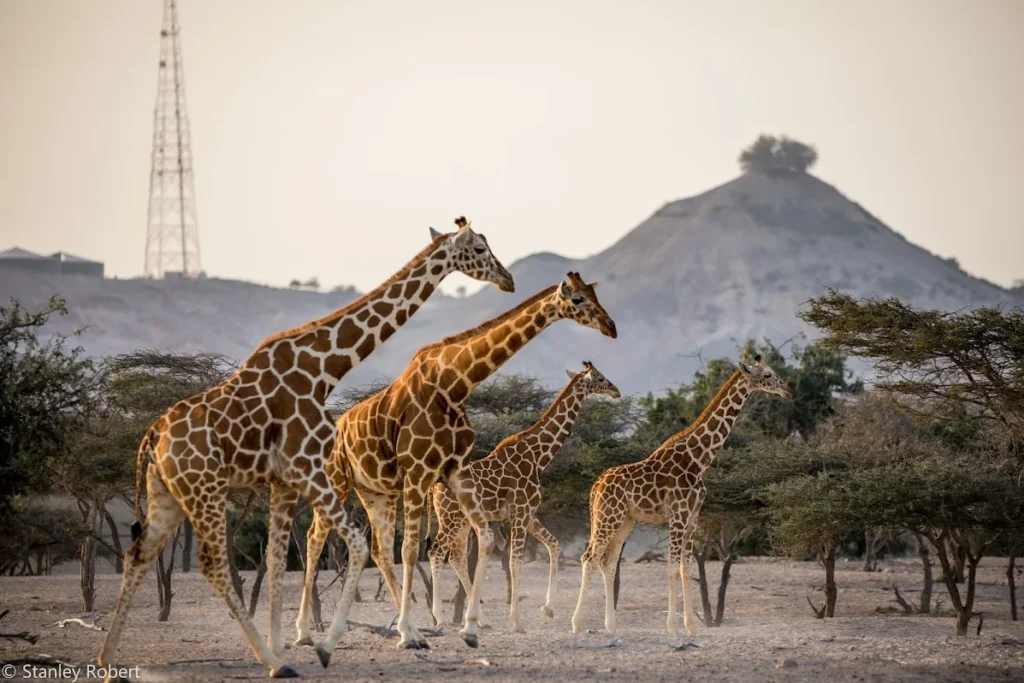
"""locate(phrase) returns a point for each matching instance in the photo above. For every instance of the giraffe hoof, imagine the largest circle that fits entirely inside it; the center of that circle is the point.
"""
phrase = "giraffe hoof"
(409, 645)
(284, 671)
(471, 640)
(548, 612)
(324, 656)
(424, 645)
(303, 642)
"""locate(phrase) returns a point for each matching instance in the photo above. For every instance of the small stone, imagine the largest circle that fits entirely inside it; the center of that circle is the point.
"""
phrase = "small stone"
(785, 663)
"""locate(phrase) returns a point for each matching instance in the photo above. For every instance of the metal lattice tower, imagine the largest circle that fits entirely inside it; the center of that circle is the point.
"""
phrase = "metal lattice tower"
(172, 235)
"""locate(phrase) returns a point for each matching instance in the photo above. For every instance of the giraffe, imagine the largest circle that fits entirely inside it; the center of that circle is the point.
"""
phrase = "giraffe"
(508, 483)
(267, 424)
(415, 432)
(666, 487)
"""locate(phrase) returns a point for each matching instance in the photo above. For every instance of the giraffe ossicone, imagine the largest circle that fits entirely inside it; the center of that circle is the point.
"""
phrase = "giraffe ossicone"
(415, 432)
(267, 424)
(508, 484)
(666, 487)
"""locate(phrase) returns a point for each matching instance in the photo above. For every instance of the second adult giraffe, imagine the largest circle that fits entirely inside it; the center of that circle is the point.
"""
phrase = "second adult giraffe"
(666, 487)
(416, 432)
(508, 481)
(267, 424)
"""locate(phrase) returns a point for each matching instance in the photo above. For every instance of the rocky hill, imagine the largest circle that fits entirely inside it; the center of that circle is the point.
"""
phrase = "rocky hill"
(697, 276)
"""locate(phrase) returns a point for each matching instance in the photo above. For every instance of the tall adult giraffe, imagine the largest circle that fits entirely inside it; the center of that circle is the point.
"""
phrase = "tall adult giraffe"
(666, 487)
(415, 432)
(508, 482)
(267, 423)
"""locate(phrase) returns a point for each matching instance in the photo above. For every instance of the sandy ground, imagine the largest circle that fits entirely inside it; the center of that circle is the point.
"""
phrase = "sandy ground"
(767, 621)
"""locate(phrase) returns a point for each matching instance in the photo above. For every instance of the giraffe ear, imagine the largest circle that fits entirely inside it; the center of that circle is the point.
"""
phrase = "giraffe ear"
(571, 374)
(434, 234)
(565, 290)
(744, 369)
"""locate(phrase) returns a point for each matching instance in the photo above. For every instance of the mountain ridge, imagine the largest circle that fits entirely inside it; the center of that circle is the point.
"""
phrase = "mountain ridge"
(698, 275)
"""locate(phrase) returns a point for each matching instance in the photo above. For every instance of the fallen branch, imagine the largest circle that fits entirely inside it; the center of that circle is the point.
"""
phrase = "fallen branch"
(178, 662)
(650, 556)
(818, 613)
(482, 661)
(615, 642)
(92, 627)
(684, 646)
(41, 660)
(389, 632)
(29, 638)
(903, 603)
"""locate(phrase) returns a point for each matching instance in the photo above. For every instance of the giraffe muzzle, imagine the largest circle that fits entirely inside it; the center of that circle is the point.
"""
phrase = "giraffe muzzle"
(505, 283)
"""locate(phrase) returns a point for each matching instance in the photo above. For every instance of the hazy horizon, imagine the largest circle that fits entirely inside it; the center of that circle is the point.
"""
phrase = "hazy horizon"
(552, 126)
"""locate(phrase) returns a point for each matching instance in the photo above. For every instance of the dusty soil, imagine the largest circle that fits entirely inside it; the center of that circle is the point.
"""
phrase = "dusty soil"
(768, 621)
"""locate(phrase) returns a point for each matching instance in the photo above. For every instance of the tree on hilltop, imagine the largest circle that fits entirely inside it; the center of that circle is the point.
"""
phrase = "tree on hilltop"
(775, 155)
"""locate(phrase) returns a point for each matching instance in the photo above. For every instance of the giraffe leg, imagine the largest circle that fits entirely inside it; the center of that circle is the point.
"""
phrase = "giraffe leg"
(282, 509)
(458, 558)
(413, 500)
(684, 572)
(675, 550)
(537, 530)
(441, 545)
(462, 485)
(608, 568)
(381, 511)
(592, 554)
(209, 518)
(517, 543)
(316, 537)
(163, 517)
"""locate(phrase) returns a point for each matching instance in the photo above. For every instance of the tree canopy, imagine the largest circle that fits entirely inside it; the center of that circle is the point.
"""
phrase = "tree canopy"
(775, 155)
(955, 366)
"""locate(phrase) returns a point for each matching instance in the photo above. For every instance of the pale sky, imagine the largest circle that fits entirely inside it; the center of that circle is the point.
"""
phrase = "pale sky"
(329, 135)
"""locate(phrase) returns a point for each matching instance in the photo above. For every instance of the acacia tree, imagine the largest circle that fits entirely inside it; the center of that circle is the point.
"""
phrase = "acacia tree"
(956, 368)
(47, 391)
(139, 386)
(774, 155)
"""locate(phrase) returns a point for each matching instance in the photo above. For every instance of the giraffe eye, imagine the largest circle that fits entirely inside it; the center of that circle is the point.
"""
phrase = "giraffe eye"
(479, 250)
(577, 300)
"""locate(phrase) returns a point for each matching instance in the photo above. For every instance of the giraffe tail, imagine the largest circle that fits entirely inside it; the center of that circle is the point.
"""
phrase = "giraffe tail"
(430, 504)
(145, 451)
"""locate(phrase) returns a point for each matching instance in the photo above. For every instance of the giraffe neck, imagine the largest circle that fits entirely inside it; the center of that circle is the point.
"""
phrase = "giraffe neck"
(553, 428)
(327, 348)
(705, 437)
(477, 354)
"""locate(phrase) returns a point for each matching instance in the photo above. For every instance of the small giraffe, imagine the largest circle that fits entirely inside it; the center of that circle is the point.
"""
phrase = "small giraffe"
(416, 432)
(666, 487)
(508, 482)
(267, 423)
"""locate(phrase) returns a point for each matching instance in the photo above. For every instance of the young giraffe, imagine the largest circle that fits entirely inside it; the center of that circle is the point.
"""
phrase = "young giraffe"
(415, 432)
(666, 487)
(267, 423)
(508, 483)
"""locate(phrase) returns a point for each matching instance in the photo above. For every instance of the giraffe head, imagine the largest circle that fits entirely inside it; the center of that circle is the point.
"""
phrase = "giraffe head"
(578, 301)
(593, 382)
(763, 378)
(471, 255)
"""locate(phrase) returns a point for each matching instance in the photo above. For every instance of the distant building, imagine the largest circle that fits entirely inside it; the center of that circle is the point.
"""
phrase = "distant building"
(59, 263)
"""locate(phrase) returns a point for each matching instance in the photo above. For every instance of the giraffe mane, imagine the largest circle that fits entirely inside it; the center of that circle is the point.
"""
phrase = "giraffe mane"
(712, 404)
(313, 324)
(513, 438)
(493, 322)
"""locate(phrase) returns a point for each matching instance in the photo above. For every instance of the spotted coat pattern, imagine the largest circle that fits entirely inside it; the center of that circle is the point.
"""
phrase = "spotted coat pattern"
(416, 432)
(267, 424)
(666, 487)
(508, 483)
